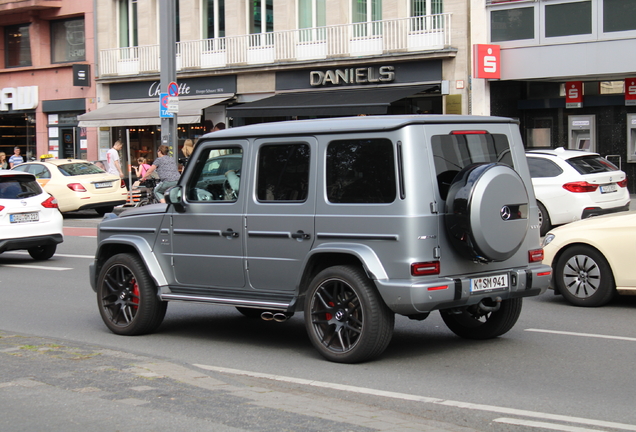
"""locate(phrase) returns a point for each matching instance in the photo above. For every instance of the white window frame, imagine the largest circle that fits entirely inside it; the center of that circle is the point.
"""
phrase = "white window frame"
(133, 32)
(520, 42)
(543, 40)
(626, 34)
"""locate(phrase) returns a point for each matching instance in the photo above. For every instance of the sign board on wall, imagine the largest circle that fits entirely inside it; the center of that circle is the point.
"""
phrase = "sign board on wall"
(453, 104)
(574, 94)
(630, 91)
(486, 61)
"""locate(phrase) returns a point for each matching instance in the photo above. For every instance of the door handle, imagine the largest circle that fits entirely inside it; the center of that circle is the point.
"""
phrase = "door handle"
(229, 233)
(300, 235)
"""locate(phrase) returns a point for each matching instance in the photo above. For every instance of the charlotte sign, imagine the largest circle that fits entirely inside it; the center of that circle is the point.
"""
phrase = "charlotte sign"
(630, 91)
(486, 61)
(574, 94)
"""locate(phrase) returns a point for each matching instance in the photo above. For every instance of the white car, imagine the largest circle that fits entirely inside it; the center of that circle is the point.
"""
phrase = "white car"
(593, 259)
(571, 184)
(29, 217)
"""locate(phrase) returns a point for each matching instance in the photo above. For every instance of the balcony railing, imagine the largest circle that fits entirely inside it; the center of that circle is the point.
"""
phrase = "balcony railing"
(423, 33)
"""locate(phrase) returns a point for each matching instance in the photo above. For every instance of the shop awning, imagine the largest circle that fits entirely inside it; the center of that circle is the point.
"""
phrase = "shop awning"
(118, 114)
(327, 102)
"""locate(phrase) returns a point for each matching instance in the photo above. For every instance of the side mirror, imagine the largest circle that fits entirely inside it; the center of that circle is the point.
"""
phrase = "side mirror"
(174, 196)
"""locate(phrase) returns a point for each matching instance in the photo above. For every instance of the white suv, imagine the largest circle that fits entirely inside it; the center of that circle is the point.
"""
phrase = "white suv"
(571, 184)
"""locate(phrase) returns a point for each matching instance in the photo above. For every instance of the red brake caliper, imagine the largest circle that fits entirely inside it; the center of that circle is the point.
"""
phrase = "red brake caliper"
(135, 299)
(328, 316)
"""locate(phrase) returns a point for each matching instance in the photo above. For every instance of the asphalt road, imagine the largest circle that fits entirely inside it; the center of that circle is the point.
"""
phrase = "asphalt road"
(560, 368)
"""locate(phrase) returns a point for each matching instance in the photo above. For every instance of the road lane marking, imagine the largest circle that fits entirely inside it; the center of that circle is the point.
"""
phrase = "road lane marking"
(544, 425)
(416, 398)
(36, 267)
(591, 335)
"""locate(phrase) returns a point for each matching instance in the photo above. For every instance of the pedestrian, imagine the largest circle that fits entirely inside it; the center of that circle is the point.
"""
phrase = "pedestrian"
(168, 172)
(112, 157)
(3, 161)
(188, 148)
(219, 126)
(16, 159)
(142, 167)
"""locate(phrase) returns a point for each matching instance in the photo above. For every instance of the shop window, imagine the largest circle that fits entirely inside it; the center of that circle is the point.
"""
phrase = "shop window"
(128, 23)
(283, 172)
(213, 19)
(68, 43)
(312, 14)
(618, 15)
(364, 14)
(17, 46)
(361, 171)
(568, 19)
(512, 24)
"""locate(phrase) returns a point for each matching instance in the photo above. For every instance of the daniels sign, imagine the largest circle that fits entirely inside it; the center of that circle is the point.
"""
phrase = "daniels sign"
(487, 61)
(362, 75)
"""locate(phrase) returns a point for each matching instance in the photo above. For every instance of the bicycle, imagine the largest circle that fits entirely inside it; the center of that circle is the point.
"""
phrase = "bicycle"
(147, 193)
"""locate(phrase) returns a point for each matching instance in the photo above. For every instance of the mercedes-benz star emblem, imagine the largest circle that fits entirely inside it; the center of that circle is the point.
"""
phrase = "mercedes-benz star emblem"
(505, 213)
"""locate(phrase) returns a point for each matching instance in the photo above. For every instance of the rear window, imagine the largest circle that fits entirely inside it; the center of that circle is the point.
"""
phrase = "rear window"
(591, 164)
(454, 152)
(75, 169)
(18, 187)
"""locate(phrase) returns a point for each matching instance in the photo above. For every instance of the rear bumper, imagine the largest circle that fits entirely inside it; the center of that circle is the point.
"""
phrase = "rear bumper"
(408, 298)
(103, 204)
(597, 211)
(30, 242)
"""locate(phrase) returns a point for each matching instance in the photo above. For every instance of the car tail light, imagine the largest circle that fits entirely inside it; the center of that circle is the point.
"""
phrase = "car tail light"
(76, 187)
(1, 208)
(50, 203)
(425, 268)
(535, 255)
(469, 132)
(579, 187)
(122, 184)
(622, 183)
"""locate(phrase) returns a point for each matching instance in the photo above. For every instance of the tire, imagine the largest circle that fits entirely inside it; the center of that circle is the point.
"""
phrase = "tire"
(486, 212)
(583, 276)
(42, 253)
(545, 224)
(471, 323)
(346, 319)
(103, 210)
(127, 297)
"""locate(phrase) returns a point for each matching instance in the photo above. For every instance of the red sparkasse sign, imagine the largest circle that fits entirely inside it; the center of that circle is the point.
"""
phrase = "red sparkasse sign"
(486, 61)
(630, 91)
(574, 94)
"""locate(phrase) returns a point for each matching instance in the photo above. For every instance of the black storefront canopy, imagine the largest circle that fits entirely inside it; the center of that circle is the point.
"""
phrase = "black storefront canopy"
(340, 102)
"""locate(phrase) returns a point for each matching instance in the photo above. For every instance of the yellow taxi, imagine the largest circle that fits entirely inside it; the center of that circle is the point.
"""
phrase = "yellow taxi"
(77, 184)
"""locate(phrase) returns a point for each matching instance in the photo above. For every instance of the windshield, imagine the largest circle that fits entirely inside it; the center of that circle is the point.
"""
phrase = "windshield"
(592, 164)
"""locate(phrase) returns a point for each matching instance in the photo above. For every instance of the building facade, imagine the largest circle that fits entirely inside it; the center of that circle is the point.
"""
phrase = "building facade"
(45, 77)
(271, 60)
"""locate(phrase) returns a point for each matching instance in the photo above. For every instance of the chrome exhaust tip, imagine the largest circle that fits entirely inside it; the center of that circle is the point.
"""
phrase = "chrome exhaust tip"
(267, 316)
(280, 317)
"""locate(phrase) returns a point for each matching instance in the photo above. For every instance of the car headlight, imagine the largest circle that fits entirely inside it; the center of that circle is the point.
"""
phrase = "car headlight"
(547, 239)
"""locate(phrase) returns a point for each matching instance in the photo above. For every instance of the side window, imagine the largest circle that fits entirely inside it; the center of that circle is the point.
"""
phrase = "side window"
(283, 172)
(40, 171)
(361, 171)
(541, 168)
(217, 176)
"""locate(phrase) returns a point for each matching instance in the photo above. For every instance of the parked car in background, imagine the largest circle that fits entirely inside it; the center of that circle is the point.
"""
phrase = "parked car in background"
(29, 217)
(571, 185)
(78, 184)
(593, 259)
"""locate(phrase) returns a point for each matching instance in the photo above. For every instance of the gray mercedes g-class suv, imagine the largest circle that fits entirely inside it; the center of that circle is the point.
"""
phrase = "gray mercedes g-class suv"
(350, 220)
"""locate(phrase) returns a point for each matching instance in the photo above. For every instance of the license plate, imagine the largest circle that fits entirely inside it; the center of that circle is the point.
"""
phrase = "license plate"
(24, 217)
(488, 283)
(103, 185)
(608, 188)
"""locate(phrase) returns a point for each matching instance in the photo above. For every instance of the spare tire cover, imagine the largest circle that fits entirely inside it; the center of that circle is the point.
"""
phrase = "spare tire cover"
(487, 212)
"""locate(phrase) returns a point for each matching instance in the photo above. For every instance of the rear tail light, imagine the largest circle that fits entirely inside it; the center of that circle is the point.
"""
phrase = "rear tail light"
(50, 203)
(622, 183)
(122, 184)
(580, 187)
(1, 208)
(535, 255)
(425, 268)
(76, 187)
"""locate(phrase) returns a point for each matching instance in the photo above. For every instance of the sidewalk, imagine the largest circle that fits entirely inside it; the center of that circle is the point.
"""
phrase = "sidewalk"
(48, 384)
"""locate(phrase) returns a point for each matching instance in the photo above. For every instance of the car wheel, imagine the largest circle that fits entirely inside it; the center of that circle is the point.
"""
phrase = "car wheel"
(545, 224)
(103, 210)
(42, 253)
(583, 276)
(475, 323)
(127, 297)
(347, 320)
(486, 215)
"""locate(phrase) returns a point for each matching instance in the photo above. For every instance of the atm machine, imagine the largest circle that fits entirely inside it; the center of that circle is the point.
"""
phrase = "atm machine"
(631, 137)
(582, 132)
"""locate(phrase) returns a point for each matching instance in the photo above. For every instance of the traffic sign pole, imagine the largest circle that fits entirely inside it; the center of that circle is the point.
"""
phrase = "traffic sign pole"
(168, 72)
